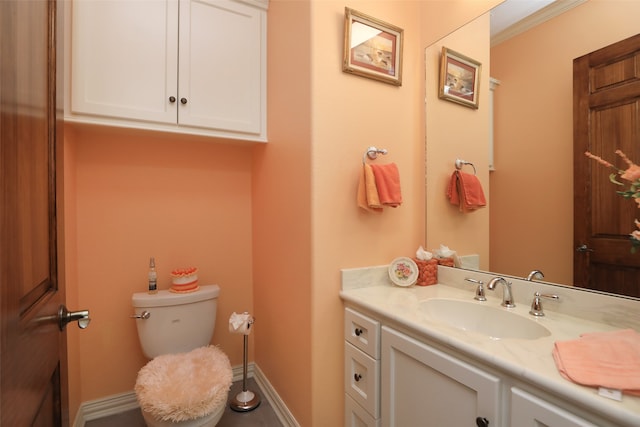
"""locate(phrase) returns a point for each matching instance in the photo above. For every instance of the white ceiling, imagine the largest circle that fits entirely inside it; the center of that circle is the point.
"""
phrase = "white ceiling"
(512, 11)
(512, 17)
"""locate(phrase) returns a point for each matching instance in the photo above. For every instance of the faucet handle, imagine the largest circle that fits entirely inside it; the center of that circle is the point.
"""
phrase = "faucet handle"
(536, 304)
(479, 290)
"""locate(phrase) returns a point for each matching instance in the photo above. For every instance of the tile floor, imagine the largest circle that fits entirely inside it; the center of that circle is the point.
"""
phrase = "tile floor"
(262, 416)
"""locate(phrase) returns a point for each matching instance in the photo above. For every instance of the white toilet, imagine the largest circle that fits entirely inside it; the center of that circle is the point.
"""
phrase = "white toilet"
(186, 384)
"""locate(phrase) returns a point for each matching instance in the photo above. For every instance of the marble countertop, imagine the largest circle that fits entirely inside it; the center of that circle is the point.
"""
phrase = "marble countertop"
(530, 361)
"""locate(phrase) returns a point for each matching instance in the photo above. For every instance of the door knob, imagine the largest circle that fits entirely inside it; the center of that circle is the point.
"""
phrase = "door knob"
(183, 101)
(482, 422)
(65, 316)
(172, 99)
(584, 248)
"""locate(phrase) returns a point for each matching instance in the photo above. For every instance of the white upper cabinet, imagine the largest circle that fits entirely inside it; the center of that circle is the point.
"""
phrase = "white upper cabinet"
(188, 66)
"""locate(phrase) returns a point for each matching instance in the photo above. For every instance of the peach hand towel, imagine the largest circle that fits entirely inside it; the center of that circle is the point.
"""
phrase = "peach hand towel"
(465, 191)
(367, 191)
(388, 183)
(602, 359)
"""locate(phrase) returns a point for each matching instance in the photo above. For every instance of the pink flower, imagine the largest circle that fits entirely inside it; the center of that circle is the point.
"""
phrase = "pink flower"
(599, 159)
(632, 173)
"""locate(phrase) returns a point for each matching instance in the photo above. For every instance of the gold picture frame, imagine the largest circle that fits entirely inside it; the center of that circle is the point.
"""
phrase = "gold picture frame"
(372, 48)
(459, 78)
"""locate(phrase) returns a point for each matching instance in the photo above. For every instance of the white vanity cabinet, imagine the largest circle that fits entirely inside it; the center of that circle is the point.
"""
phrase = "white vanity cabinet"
(185, 66)
(394, 378)
(422, 385)
(362, 370)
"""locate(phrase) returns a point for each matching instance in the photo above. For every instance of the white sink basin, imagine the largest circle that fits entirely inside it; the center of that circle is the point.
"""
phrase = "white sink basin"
(494, 322)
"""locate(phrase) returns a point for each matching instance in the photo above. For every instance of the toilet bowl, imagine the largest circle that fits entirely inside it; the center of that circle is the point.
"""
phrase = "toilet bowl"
(186, 383)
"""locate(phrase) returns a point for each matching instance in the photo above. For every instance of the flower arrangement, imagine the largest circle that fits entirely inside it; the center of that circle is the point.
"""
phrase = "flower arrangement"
(632, 175)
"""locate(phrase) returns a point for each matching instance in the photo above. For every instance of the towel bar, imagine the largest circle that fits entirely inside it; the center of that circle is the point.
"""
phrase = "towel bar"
(460, 163)
(372, 153)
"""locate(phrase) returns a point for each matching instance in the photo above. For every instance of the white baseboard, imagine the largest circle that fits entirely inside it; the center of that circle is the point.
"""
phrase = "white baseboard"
(117, 403)
(281, 410)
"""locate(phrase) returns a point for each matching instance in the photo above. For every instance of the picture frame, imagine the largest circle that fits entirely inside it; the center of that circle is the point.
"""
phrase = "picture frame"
(372, 48)
(459, 78)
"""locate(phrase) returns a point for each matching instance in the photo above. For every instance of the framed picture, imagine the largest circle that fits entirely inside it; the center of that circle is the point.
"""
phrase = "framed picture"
(372, 48)
(459, 78)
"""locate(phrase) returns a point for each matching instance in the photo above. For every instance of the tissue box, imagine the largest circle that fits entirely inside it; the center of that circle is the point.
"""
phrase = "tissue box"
(427, 272)
(447, 262)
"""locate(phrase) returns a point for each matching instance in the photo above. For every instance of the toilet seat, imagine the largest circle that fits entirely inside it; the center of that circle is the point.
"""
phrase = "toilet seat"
(186, 387)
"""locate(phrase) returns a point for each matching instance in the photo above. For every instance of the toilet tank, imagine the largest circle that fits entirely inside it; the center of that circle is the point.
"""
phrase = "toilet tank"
(177, 322)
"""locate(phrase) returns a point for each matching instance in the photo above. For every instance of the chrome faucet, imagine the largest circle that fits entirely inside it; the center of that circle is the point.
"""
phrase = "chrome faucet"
(507, 296)
(535, 274)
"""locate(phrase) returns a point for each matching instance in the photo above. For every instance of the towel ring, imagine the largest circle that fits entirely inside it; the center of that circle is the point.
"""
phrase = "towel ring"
(372, 153)
(460, 163)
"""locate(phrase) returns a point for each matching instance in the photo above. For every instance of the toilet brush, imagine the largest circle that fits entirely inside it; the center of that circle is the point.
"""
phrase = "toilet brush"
(245, 400)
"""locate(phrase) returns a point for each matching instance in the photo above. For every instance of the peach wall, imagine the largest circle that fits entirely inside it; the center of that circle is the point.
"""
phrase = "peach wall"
(350, 113)
(455, 131)
(71, 260)
(532, 187)
(183, 200)
(281, 215)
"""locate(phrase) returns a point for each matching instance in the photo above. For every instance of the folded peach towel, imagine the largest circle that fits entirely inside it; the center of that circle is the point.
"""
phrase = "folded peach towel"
(388, 183)
(602, 359)
(367, 191)
(465, 190)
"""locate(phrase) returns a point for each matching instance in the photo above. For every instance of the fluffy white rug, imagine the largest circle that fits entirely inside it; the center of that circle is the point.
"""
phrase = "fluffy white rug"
(184, 386)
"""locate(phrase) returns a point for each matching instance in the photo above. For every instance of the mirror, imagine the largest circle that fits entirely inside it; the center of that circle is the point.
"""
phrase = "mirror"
(531, 188)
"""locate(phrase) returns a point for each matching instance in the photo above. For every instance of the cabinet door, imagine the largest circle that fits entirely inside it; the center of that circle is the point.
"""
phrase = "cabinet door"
(530, 410)
(222, 74)
(423, 386)
(124, 59)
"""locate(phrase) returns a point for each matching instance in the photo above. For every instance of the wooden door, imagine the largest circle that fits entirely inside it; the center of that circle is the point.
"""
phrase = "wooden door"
(32, 373)
(606, 118)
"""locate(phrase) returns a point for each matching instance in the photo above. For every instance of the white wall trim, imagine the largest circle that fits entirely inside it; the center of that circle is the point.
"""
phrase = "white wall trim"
(105, 407)
(549, 12)
(282, 412)
(117, 403)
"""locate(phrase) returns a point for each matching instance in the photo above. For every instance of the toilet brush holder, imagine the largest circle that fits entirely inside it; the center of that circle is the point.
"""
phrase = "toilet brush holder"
(245, 400)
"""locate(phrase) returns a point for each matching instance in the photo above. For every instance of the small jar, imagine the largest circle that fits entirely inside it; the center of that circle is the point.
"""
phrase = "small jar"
(427, 272)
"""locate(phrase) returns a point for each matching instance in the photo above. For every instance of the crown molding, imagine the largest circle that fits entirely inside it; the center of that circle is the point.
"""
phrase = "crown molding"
(551, 11)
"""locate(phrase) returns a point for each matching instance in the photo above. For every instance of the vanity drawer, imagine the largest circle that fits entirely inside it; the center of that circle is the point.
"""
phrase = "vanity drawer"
(362, 379)
(363, 332)
(356, 416)
(527, 409)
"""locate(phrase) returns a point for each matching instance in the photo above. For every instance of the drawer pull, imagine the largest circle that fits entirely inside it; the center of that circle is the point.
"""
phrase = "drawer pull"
(357, 377)
(358, 332)
(482, 422)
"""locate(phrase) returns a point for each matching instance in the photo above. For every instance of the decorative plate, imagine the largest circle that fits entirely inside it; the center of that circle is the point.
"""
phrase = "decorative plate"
(403, 271)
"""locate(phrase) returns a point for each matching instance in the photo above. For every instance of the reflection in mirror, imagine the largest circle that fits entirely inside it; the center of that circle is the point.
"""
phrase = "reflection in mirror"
(531, 190)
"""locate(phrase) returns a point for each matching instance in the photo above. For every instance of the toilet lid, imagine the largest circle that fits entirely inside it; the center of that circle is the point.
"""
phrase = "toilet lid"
(184, 386)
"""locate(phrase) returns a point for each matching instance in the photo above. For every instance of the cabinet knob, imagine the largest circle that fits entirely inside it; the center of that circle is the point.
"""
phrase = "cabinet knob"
(172, 99)
(357, 377)
(358, 332)
(482, 422)
(183, 100)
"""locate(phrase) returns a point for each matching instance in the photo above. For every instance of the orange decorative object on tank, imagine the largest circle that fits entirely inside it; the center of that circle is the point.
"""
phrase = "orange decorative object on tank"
(184, 280)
